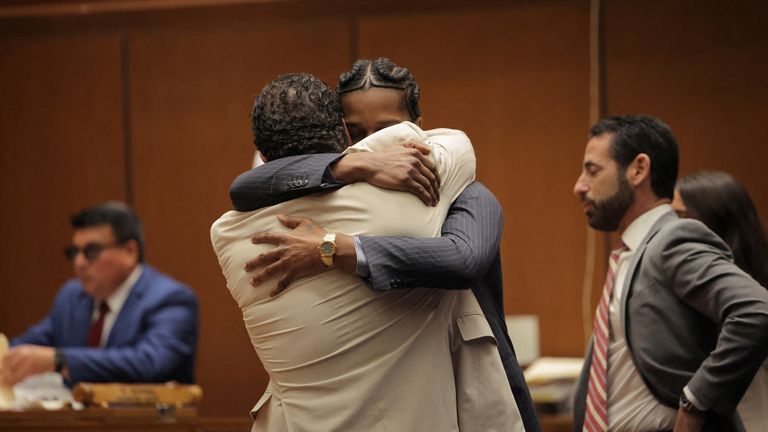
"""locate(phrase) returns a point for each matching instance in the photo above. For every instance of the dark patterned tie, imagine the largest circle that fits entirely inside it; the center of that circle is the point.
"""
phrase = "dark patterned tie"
(97, 327)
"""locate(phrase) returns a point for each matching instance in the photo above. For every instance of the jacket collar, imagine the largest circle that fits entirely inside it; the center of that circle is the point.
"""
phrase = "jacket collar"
(664, 219)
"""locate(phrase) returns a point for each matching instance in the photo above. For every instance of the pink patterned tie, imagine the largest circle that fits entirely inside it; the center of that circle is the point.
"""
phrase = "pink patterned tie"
(596, 417)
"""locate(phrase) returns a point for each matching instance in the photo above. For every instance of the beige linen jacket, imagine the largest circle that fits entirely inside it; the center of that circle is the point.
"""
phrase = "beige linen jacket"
(342, 357)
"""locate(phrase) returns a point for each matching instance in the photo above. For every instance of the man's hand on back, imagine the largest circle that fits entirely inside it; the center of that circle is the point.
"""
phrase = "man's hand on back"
(404, 168)
(296, 253)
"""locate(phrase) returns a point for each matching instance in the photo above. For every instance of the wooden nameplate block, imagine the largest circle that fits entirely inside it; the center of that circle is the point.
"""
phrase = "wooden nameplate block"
(137, 394)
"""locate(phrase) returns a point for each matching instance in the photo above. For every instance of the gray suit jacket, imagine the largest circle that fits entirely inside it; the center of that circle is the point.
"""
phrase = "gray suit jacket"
(466, 255)
(691, 318)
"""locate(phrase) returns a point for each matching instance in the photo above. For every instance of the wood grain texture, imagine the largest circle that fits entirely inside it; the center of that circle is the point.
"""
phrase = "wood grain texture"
(700, 67)
(514, 76)
(61, 150)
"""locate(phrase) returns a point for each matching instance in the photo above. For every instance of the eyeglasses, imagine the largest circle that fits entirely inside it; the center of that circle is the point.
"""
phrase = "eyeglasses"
(91, 251)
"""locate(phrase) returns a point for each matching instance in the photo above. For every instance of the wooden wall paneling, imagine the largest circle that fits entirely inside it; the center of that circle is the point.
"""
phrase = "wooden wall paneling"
(700, 67)
(191, 95)
(61, 149)
(516, 79)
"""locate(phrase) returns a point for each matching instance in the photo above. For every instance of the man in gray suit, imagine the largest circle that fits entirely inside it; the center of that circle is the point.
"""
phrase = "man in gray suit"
(680, 331)
(376, 94)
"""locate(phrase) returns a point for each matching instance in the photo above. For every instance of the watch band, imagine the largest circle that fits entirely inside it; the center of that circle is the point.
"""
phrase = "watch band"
(687, 405)
(59, 361)
(327, 249)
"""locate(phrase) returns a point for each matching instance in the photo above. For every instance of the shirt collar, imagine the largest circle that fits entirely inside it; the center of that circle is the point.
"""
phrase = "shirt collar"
(638, 229)
(117, 299)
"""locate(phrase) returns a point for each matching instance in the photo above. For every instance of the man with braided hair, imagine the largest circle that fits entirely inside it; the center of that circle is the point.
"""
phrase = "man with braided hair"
(383, 79)
(340, 356)
(374, 95)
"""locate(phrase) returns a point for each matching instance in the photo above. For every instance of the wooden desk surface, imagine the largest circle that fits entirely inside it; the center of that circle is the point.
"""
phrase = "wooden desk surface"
(556, 422)
(119, 420)
(147, 420)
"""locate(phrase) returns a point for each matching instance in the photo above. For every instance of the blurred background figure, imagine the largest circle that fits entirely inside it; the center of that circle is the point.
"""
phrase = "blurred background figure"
(723, 204)
(118, 320)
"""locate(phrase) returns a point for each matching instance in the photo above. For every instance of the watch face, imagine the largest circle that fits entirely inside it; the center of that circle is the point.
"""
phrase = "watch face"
(327, 248)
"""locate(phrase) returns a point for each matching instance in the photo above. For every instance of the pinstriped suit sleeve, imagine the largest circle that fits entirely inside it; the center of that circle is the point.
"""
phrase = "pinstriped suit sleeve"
(282, 180)
(465, 251)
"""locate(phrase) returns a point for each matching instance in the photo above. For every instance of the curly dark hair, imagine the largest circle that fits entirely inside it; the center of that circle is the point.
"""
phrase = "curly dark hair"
(382, 73)
(635, 134)
(297, 114)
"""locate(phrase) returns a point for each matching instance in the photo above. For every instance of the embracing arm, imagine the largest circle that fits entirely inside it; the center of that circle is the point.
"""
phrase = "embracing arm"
(282, 180)
(466, 249)
(404, 168)
(463, 254)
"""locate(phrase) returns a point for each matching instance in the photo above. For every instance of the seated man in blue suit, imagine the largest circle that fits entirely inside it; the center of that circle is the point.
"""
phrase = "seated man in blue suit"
(119, 320)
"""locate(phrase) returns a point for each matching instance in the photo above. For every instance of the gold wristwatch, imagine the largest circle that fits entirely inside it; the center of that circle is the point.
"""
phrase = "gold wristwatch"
(327, 249)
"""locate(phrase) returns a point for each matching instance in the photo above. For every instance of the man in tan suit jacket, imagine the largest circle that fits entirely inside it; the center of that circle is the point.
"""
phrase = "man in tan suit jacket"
(341, 357)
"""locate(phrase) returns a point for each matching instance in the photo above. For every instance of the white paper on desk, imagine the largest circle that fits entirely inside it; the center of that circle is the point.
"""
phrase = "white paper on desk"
(46, 389)
(549, 369)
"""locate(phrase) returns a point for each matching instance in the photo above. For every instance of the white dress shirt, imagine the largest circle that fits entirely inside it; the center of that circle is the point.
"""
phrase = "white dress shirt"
(631, 406)
(115, 303)
(753, 408)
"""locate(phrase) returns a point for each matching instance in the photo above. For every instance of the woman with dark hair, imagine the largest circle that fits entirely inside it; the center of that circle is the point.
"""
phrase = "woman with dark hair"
(723, 204)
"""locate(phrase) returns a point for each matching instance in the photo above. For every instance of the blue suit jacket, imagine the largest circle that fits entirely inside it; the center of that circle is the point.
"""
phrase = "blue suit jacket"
(153, 339)
(466, 255)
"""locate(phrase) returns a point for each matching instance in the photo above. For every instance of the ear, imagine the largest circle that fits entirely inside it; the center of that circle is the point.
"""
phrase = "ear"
(132, 248)
(639, 170)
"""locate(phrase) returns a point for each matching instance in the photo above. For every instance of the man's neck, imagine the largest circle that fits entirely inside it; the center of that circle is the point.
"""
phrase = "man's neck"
(639, 208)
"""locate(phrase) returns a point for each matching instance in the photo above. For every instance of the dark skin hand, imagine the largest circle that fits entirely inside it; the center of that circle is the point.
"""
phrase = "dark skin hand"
(403, 168)
(689, 421)
(295, 255)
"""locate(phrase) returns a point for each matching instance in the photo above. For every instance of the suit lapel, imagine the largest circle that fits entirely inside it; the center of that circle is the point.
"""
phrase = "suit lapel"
(664, 219)
(127, 314)
(81, 321)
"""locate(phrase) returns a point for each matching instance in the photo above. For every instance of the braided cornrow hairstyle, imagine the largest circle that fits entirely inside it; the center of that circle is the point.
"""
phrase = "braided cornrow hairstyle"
(297, 114)
(382, 73)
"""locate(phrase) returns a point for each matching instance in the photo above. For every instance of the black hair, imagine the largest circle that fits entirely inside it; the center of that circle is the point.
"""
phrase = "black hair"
(723, 204)
(297, 114)
(636, 134)
(123, 221)
(382, 73)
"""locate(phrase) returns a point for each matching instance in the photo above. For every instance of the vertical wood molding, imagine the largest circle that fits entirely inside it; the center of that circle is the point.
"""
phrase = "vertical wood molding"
(596, 111)
(125, 68)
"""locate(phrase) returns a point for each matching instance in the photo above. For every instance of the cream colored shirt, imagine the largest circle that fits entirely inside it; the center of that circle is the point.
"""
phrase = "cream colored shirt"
(631, 406)
(115, 303)
(753, 408)
(343, 357)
